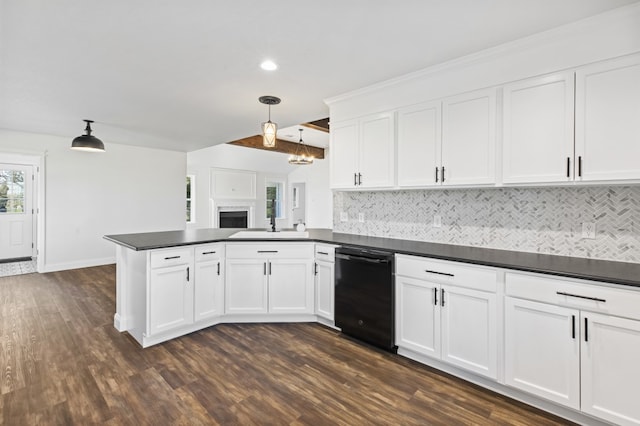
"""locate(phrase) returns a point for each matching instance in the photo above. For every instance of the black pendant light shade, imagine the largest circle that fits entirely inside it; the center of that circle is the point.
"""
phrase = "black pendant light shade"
(87, 142)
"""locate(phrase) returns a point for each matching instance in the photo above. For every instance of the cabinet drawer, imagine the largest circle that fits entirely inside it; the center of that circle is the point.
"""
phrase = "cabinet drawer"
(445, 272)
(578, 295)
(170, 257)
(271, 251)
(209, 252)
(325, 252)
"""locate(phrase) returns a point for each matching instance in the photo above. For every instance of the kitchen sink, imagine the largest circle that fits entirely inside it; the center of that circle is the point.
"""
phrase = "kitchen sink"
(270, 235)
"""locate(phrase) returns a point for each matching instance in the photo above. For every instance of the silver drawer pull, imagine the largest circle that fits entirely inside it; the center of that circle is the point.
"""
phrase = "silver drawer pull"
(322, 252)
(562, 293)
(172, 257)
(208, 252)
(267, 251)
(438, 273)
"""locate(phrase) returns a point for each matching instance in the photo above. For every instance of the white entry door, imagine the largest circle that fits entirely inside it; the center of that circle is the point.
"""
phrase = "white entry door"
(16, 215)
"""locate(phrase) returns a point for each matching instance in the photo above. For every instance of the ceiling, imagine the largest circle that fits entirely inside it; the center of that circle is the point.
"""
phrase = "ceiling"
(184, 75)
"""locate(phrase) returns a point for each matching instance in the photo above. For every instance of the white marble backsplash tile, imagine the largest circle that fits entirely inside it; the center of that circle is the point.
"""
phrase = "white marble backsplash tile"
(540, 220)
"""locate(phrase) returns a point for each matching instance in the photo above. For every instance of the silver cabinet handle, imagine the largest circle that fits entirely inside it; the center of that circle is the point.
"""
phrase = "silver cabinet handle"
(172, 257)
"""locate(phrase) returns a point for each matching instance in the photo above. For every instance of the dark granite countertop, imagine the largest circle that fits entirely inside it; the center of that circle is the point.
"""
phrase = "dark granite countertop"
(573, 267)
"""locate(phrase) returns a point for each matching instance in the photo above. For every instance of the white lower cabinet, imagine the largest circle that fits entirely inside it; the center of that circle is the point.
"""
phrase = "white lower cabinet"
(170, 298)
(569, 346)
(269, 278)
(185, 285)
(291, 286)
(440, 315)
(542, 352)
(209, 281)
(609, 367)
(324, 272)
(246, 286)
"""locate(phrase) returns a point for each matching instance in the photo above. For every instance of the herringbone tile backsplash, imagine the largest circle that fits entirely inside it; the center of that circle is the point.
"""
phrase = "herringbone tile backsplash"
(540, 220)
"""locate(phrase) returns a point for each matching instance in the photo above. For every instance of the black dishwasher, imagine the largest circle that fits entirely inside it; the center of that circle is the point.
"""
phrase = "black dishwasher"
(364, 295)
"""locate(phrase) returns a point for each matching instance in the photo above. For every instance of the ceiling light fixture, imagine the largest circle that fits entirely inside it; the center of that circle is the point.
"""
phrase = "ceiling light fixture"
(269, 65)
(269, 129)
(87, 142)
(302, 156)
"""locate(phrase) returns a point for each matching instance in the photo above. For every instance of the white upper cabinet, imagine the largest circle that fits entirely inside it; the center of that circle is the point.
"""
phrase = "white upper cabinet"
(363, 152)
(419, 138)
(344, 154)
(468, 139)
(538, 130)
(608, 120)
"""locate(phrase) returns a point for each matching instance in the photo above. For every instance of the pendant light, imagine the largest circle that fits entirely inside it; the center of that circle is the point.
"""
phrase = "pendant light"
(269, 129)
(302, 156)
(87, 142)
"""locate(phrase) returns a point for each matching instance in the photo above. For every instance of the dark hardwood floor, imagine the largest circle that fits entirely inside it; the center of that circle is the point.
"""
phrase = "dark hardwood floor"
(63, 363)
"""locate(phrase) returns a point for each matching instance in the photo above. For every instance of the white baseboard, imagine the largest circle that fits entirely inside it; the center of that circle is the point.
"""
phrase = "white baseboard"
(53, 267)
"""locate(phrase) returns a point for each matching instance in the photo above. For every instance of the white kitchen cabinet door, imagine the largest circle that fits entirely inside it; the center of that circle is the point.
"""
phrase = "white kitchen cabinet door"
(418, 316)
(344, 154)
(209, 289)
(607, 120)
(610, 372)
(290, 286)
(468, 138)
(170, 298)
(542, 350)
(469, 330)
(246, 286)
(419, 138)
(325, 280)
(377, 151)
(538, 130)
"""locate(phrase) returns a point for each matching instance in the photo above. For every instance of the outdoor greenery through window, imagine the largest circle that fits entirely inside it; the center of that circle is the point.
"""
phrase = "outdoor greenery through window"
(11, 191)
(275, 199)
(191, 181)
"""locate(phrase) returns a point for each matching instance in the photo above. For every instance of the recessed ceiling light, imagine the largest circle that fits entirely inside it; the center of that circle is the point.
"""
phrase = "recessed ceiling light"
(269, 65)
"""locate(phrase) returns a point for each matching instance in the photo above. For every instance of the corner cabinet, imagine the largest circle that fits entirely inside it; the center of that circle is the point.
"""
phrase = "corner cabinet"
(363, 152)
(574, 344)
(448, 311)
(273, 278)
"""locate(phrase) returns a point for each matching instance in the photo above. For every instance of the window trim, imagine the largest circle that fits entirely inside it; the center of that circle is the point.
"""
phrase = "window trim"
(282, 183)
(192, 211)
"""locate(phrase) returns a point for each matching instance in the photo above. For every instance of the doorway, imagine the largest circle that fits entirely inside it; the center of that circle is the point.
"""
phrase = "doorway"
(16, 212)
(298, 203)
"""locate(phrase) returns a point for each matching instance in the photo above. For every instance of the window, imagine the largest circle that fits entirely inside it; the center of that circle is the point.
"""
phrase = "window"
(275, 199)
(191, 205)
(11, 191)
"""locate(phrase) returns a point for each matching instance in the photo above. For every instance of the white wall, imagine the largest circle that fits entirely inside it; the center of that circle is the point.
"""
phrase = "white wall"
(604, 36)
(267, 165)
(87, 195)
(319, 198)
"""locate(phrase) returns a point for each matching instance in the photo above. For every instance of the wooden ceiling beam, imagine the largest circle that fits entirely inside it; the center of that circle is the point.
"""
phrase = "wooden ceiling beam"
(281, 146)
(321, 125)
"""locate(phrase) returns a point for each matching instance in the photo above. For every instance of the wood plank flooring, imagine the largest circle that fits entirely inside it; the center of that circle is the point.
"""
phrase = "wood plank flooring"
(63, 363)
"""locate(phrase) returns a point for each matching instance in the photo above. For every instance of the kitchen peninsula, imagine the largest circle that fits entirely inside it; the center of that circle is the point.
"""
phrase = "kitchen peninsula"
(176, 282)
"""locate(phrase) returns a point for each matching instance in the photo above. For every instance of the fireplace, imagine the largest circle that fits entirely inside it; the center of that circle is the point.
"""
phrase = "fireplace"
(232, 214)
(233, 219)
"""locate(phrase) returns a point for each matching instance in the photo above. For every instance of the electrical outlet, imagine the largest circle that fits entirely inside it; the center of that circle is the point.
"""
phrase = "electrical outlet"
(344, 217)
(361, 217)
(437, 221)
(589, 230)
